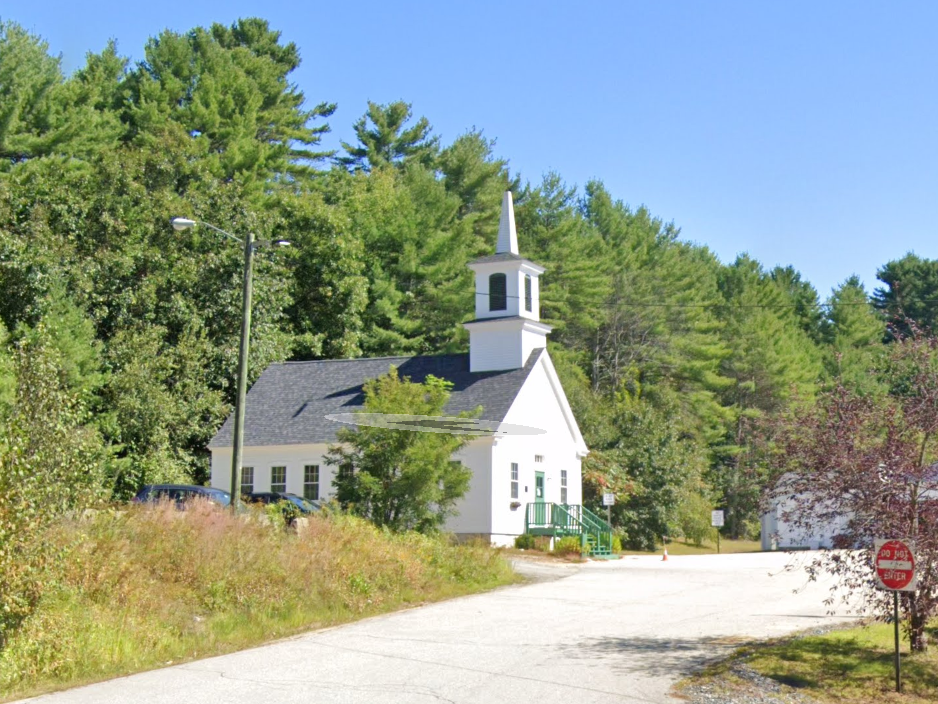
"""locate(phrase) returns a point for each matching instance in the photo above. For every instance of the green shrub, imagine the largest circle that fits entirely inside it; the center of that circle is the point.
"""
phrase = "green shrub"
(693, 519)
(616, 543)
(569, 545)
(525, 542)
(752, 529)
(50, 465)
(282, 512)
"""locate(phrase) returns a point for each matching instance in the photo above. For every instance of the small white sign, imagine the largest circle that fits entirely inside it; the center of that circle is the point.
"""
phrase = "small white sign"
(716, 519)
(609, 499)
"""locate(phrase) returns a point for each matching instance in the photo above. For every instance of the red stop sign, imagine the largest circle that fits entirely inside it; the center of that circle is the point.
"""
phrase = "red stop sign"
(895, 565)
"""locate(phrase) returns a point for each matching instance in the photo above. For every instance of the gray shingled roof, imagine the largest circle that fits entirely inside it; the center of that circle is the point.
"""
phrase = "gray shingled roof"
(508, 317)
(287, 403)
(500, 257)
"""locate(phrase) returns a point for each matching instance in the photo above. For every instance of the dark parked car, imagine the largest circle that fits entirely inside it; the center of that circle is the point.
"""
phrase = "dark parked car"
(272, 497)
(180, 493)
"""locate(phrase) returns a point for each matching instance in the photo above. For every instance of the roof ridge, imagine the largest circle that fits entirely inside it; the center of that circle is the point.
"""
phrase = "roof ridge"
(370, 359)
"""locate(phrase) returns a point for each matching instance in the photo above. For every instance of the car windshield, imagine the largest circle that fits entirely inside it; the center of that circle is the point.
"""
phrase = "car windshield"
(301, 502)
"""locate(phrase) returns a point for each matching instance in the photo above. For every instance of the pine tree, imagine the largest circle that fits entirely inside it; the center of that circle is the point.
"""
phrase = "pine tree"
(472, 174)
(659, 335)
(577, 283)
(42, 113)
(227, 89)
(330, 290)
(911, 293)
(854, 332)
(31, 121)
(772, 363)
(384, 140)
(804, 300)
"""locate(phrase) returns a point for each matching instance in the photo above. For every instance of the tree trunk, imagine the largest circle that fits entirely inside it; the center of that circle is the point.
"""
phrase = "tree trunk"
(918, 619)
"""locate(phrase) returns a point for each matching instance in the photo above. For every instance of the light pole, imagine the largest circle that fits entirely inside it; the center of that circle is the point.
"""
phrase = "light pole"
(249, 244)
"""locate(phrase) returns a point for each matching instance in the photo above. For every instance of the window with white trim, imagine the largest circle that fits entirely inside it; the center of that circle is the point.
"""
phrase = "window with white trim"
(278, 479)
(563, 486)
(311, 482)
(498, 292)
(514, 480)
(247, 480)
(528, 298)
(346, 470)
(538, 458)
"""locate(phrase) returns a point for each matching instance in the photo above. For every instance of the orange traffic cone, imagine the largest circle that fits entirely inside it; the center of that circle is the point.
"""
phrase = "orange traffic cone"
(664, 557)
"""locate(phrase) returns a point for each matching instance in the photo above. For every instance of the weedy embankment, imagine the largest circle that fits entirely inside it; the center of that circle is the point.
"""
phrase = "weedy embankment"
(142, 588)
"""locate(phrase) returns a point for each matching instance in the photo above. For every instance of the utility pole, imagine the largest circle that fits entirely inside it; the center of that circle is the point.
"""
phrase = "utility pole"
(237, 447)
(250, 244)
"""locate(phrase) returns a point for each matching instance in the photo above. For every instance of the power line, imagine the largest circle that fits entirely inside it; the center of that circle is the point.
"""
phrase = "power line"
(654, 304)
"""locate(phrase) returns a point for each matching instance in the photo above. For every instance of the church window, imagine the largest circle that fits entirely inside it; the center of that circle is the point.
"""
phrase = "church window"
(498, 292)
(311, 482)
(278, 479)
(247, 480)
(528, 299)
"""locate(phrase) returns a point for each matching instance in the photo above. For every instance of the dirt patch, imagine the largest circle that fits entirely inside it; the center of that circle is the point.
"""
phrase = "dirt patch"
(740, 684)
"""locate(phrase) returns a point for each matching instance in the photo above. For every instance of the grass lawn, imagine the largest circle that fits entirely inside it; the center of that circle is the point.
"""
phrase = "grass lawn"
(679, 547)
(850, 666)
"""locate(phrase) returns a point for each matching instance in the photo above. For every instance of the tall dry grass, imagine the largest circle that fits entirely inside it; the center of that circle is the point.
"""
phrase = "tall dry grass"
(147, 586)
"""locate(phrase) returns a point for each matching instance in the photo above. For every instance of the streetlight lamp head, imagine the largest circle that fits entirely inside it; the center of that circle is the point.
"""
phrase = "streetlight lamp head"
(180, 224)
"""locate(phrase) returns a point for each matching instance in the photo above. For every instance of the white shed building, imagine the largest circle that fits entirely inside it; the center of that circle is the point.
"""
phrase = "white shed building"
(779, 532)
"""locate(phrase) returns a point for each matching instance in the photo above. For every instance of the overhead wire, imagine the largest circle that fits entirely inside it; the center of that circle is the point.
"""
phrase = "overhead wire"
(654, 304)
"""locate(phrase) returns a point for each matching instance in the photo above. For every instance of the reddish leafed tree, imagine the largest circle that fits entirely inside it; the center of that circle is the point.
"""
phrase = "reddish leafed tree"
(870, 463)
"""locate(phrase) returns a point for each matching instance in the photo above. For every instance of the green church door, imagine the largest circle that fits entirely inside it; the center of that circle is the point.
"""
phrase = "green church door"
(539, 487)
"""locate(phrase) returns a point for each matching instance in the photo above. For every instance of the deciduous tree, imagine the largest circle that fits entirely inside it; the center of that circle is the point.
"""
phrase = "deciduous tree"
(870, 459)
(400, 479)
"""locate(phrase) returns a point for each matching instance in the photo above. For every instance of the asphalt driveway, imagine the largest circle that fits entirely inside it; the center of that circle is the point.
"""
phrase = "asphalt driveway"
(620, 631)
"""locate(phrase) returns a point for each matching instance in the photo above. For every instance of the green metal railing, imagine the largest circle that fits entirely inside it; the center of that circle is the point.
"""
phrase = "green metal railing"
(558, 520)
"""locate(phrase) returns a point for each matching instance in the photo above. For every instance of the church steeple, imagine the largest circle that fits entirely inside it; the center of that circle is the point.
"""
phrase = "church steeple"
(507, 326)
(507, 234)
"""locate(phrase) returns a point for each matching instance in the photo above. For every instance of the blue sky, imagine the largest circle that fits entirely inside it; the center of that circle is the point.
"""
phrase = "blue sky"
(801, 132)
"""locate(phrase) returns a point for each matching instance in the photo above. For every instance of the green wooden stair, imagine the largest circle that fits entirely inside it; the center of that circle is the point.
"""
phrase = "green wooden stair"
(560, 520)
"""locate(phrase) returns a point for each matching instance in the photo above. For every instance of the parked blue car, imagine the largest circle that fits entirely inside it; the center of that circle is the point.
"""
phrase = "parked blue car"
(180, 494)
(272, 497)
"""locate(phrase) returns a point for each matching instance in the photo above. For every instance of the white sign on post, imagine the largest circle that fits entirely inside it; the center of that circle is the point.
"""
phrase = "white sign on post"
(716, 519)
(609, 499)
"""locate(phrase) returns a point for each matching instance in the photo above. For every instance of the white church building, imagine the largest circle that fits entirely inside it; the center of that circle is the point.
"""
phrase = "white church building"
(507, 372)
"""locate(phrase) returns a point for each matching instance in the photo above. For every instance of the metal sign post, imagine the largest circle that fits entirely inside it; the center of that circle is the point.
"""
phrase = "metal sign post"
(608, 500)
(716, 520)
(895, 571)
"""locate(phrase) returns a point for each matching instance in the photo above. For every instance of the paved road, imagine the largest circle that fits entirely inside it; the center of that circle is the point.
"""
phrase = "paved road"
(620, 631)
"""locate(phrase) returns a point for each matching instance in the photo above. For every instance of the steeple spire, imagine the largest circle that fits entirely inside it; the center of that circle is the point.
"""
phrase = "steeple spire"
(507, 235)
(507, 327)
